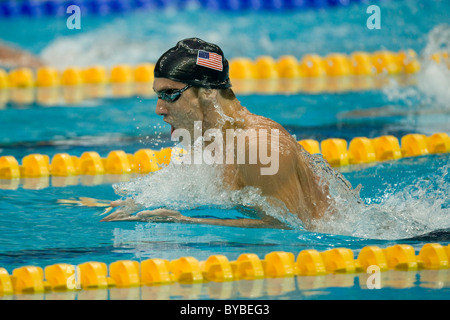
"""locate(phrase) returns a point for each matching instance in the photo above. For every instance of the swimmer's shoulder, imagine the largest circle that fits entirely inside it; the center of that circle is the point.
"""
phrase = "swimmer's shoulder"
(257, 122)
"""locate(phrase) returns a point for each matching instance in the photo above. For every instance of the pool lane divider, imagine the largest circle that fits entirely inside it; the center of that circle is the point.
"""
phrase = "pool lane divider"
(364, 150)
(33, 9)
(90, 163)
(336, 151)
(357, 63)
(217, 268)
(75, 95)
(312, 74)
(334, 73)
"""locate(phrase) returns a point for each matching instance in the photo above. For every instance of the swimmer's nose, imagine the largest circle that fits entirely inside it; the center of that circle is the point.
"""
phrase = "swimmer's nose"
(160, 109)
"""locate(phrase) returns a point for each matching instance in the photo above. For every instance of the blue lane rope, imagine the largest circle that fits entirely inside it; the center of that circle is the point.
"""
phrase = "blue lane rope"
(42, 8)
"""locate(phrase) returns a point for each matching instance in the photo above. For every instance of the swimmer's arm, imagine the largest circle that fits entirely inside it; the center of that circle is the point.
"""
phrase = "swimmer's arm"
(165, 215)
(243, 222)
(175, 216)
(274, 183)
(13, 57)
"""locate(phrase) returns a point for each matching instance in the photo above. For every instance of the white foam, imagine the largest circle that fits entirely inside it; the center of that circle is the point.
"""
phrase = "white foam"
(433, 80)
(402, 212)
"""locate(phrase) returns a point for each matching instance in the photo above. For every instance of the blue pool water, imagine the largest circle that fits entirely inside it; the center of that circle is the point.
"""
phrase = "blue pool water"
(406, 201)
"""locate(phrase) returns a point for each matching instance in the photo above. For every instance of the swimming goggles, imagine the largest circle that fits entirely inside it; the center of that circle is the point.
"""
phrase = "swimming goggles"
(171, 95)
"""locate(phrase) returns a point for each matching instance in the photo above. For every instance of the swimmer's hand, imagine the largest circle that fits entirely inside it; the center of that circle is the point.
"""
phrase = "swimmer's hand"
(130, 204)
(124, 209)
(85, 201)
(157, 215)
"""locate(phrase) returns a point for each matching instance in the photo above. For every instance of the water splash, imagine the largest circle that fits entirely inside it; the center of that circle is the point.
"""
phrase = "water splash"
(415, 209)
(433, 79)
(177, 187)
(223, 118)
(403, 211)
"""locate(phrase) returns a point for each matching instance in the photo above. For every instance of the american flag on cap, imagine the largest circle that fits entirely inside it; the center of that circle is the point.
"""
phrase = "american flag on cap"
(210, 60)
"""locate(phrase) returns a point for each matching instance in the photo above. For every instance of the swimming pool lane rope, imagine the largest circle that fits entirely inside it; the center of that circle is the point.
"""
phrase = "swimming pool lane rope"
(312, 74)
(357, 63)
(336, 151)
(217, 268)
(11, 9)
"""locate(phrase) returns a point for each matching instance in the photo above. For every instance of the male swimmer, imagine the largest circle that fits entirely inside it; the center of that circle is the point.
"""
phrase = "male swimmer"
(193, 85)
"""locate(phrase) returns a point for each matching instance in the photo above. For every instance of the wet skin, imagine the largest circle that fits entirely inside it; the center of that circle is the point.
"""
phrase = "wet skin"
(11, 57)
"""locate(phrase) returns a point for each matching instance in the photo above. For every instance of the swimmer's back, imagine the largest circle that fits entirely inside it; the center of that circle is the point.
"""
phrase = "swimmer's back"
(295, 184)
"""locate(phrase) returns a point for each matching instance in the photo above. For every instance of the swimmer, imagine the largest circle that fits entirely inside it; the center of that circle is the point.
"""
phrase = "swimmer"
(190, 90)
(11, 57)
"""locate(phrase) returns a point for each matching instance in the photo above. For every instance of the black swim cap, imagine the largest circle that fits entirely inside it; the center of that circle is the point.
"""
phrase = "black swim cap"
(195, 62)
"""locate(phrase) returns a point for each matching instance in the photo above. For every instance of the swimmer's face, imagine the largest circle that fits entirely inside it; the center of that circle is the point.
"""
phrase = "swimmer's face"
(182, 112)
